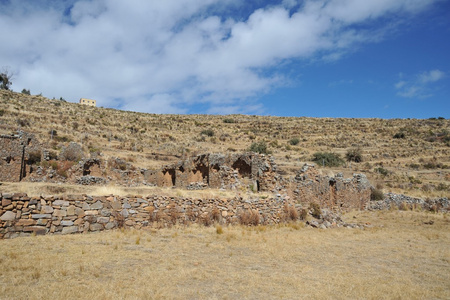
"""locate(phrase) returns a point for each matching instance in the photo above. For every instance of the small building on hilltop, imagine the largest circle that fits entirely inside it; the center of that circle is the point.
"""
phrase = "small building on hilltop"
(89, 102)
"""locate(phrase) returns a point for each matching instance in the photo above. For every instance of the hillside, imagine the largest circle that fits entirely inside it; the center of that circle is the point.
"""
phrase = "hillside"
(401, 155)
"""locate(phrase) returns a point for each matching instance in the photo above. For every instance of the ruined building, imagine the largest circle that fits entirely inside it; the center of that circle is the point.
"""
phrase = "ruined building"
(17, 152)
(217, 171)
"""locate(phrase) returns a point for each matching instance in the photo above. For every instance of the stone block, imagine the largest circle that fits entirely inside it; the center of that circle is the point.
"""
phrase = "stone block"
(97, 205)
(59, 213)
(38, 230)
(46, 209)
(61, 203)
(6, 202)
(102, 220)
(91, 212)
(95, 227)
(69, 230)
(67, 223)
(41, 216)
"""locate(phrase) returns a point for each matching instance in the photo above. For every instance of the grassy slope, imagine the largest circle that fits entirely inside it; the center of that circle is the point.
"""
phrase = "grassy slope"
(400, 258)
(150, 140)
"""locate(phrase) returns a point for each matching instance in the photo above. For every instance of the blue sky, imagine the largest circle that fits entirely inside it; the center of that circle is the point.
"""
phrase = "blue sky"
(317, 58)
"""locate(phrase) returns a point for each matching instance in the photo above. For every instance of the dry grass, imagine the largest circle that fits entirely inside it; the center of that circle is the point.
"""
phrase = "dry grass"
(404, 259)
(417, 165)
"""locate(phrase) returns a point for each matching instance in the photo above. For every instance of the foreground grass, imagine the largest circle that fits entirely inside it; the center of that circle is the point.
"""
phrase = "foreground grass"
(399, 258)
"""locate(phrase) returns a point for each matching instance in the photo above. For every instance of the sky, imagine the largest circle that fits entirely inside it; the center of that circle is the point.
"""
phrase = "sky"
(314, 58)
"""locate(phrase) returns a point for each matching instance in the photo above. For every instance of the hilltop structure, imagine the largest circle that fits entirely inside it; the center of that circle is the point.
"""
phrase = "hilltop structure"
(88, 102)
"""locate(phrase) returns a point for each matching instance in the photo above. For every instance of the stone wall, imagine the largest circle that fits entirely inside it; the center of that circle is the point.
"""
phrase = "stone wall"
(21, 215)
(335, 192)
(15, 152)
(217, 171)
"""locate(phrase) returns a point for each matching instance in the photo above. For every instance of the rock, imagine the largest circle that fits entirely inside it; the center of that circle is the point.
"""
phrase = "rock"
(116, 205)
(25, 222)
(8, 216)
(38, 230)
(124, 213)
(69, 230)
(59, 213)
(46, 209)
(91, 212)
(102, 220)
(71, 210)
(7, 195)
(67, 223)
(224, 213)
(126, 205)
(61, 203)
(6, 202)
(41, 216)
(97, 205)
(96, 227)
(110, 225)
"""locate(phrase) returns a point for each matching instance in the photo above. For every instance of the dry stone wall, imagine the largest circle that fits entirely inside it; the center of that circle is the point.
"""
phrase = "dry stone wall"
(21, 215)
(15, 152)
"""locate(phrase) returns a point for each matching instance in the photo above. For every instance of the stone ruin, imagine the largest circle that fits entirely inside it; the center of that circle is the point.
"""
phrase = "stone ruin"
(15, 153)
(240, 172)
(217, 171)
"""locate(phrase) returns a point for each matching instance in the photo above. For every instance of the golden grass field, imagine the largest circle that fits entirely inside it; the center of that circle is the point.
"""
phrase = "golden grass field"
(399, 258)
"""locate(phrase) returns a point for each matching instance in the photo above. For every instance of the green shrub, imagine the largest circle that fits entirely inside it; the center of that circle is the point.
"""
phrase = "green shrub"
(294, 141)
(354, 155)
(258, 147)
(2, 112)
(26, 92)
(229, 121)
(328, 159)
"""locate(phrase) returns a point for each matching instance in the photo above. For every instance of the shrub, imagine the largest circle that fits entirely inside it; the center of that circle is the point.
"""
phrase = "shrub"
(294, 141)
(382, 171)
(354, 155)
(258, 147)
(376, 194)
(399, 135)
(2, 112)
(229, 121)
(34, 157)
(249, 217)
(315, 210)
(328, 159)
(23, 122)
(26, 92)
(73, 152)
(207, 132)
(290, 212)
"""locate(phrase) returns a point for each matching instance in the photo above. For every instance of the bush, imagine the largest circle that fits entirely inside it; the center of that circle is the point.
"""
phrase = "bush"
(376, 194)
(382, 171)
(229, 121)
(249, 217)
(315, 210)
(34, 157)
(207, 132)
(2, 112)
(73, 152)
(399, 135)
(328, 159)
(26, 92)
(354, 155)
(258, 147)
(294, 141)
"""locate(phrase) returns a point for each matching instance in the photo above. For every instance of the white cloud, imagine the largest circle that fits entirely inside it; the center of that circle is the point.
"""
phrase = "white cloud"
(431, 76)
(168, 56)
(419, 85)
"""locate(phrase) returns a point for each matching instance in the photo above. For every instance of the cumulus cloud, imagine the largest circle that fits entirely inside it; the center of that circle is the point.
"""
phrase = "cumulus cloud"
(419, 86)
(169, 56)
